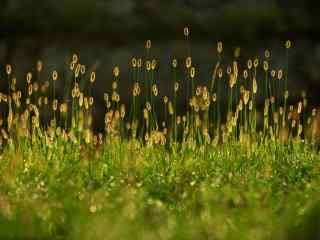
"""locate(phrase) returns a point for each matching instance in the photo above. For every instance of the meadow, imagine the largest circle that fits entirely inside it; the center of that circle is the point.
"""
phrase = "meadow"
(236, 158)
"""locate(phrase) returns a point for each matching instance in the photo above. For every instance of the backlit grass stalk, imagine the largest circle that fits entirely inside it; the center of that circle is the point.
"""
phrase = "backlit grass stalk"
(175, 88)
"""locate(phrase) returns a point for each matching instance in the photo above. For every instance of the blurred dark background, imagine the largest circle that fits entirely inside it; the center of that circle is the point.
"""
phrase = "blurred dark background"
(110, 32)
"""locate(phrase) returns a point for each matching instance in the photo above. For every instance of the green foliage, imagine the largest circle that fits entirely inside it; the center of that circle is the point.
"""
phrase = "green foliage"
(127, 190)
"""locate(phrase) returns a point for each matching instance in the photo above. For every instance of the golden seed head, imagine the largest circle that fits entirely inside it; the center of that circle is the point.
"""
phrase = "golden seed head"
(229, 70)
(280, 73)
(136, 89)
(146, 136)
(75, 58)
(240, 105)
(288, 44)
(174, 63)
(139, 63)
(148, 44)
(155, 90)
(72, 65)
(29, 77)
(246, 96)
(8, 69)
(54, 75)
(19, 94)
(273, 73)
(92, 77)
(55, 104)
(86, 103)
(254, 86)
(272, 99)
(36, 87)
(14, 81)
(214, 97)
(77, 71)
(281, 110)
(165, 99)
(30, 88)
(249, 64)
(219, 47)
(299, 107)
(286, 94)
(198, 91)
(245, 74)
(250, 105)
(114, 85)
(106, 97)
(83, 69)
(300, 129)
(267, 54)
(192, 72)
(117, 98)
(232, 80)
(73, 93)
(148, 106)
(39, 66)
(178, 120)
(186, 31)
(184, 118)
(265, 66)
(148, 65)
(90, 101)
(116, 71)
(153, 64)
(235, 67)
(176, 86)
(134, 62)
(291, 108)
(63, 108)
(188, 62)
(256, 63)
(220, 72)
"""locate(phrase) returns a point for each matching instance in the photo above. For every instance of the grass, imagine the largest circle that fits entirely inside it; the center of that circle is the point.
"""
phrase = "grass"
(155, 173)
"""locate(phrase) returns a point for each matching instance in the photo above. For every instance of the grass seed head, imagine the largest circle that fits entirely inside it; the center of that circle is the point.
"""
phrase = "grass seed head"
(188, 62)
(267, 54)
(39, 66)
(192, 72)
(134, 62)
(8, 69)
(116, 71)
(288, 44)
(29, 77)
(174, 63)
(54, 75)
(280, 74)
(148, 44)
(186, 31)
(249, 64)
(92, 77)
